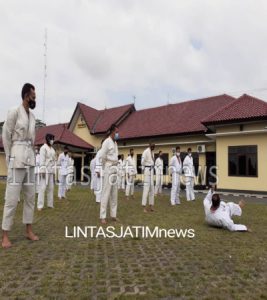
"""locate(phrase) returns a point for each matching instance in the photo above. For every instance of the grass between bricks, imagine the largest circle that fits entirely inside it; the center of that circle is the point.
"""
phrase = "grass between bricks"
(216, 264)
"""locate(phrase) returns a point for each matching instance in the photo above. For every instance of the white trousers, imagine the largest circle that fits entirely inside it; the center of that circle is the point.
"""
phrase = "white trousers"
(189, 185)
(175, 191)
(46, 183)
(62, 186)
(98, 181)
(22, 179)
(130, 186)
(37, 183)
(109, 193)
(159, 183)
(148, 190)
(121, 182)
(69, 180)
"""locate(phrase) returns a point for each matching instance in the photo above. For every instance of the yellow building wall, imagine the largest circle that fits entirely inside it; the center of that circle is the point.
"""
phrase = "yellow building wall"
(82, 131)
(3, 168)
(242, 183)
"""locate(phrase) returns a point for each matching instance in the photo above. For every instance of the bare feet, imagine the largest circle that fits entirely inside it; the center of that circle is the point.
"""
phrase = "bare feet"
(151, 208)
(145, 210)
(242, 203)
(115, 220)
(31, 236)
(6, 242)
(103, 221)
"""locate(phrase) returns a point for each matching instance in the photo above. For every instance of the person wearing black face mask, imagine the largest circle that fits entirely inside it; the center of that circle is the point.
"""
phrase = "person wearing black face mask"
(18, 138)
(47, 172)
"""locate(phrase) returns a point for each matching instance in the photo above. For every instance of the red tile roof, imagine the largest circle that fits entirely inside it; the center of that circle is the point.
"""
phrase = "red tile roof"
(244, 108)
(180, 118)
(99, 121)
(62, 136)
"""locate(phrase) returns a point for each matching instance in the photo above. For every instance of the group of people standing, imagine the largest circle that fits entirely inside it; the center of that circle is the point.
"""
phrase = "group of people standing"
(110, 171)
(46, 168)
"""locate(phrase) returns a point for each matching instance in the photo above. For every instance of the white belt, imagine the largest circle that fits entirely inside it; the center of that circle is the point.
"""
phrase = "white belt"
(25, 143)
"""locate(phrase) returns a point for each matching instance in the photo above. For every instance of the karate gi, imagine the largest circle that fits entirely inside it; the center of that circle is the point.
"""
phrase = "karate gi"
(122, 173)
(131, 172)
(147, 163)
(47, 172)
(109, 157)
(222, 216)
(175, 171)
(98, 180)
(159, 175)
(37, 174)
(92, 170)
(63, 163)
(18, 139)
(70, 176)
(189, 172)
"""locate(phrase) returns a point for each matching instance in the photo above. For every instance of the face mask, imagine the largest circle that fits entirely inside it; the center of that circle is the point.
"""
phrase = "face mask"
(36, 151)
(190, 154)
(117, 136)
(178, 153)
(51, 142)
(32, 104)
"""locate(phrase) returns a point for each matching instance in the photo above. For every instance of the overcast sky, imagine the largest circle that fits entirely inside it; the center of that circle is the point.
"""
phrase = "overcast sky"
(103, 53)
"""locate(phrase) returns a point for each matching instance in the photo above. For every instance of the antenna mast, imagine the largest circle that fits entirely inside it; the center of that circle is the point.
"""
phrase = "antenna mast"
(45, 73)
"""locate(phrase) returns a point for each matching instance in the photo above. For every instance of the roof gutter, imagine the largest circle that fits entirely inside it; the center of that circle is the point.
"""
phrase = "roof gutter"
(234, 133)
(166, 144)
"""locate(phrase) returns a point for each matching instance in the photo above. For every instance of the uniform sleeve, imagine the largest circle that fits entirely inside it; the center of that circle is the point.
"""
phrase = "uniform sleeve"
(104, 150)
(8, 130)
(42, 160)
(171, 167)
(207, 201)
(59, 160)
(143, 159)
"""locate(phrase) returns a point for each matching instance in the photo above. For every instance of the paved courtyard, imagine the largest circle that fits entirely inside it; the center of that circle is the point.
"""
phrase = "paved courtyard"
(216, 264)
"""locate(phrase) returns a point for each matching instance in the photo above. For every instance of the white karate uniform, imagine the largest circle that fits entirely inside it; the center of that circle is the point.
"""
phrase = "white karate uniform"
(63, 163)
(147, 163)
(189, 172)
(47, 173)
(70, 176)
(159, 175)
(92, 170)
(98, 180)
(222, 216)
(131, 172)
(175, 171)
(109, 157)
(37, 174)
(18, 137)
(121, 175)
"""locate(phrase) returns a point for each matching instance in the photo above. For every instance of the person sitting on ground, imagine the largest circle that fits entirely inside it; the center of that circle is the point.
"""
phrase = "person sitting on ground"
(219, 213)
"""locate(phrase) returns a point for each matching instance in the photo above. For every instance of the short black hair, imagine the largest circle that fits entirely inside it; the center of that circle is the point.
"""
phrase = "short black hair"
(189, 149)
(215, 201)
(177, 147)
(27, 87)
(119, 156)
(160, 151)
(112, 128)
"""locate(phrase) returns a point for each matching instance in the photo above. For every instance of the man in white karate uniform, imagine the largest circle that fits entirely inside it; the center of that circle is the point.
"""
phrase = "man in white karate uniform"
(36, 170)
(175, 168)
(159, 174)
(92, 171)
(47, 172)
(122, 172)
(219, 214)
(63, 163)
(131, 172)
(189, 172)
(99, 175)
(147, 163)
(18, 139)
(109, 157)
(70, 176)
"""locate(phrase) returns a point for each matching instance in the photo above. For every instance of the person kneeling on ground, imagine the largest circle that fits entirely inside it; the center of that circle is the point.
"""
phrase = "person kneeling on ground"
(219, 214)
